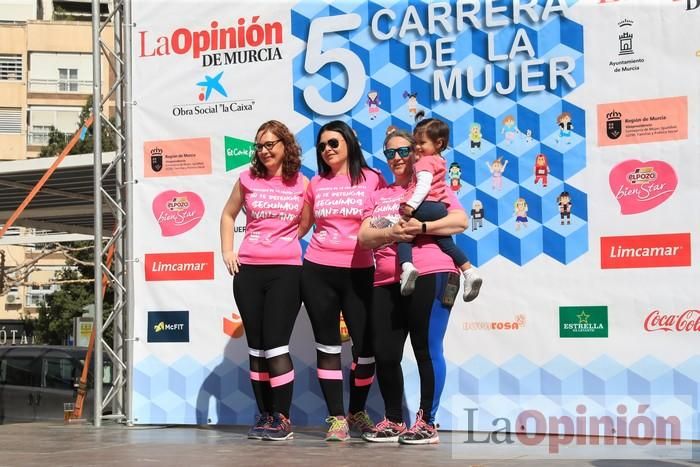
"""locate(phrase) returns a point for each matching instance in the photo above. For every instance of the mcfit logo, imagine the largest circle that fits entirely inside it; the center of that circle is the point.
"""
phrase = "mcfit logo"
(168, 326)
(645, 251)
(194, 266)
(239, 152)
(583, 321)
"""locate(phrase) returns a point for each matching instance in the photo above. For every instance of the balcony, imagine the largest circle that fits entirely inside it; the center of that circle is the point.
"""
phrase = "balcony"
(62, 86)
(40, 137)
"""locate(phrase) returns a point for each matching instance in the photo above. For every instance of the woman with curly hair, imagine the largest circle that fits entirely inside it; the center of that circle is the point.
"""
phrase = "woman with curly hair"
(267, 270)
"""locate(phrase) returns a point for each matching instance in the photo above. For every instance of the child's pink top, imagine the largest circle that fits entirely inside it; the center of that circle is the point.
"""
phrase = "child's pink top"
(383, 207)
(437, 166)
(337, 209)
(273, 210)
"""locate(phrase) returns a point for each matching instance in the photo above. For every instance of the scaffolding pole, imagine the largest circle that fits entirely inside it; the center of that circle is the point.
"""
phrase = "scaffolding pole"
(119, 351)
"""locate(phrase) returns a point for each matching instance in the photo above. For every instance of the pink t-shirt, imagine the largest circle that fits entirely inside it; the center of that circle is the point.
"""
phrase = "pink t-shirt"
(382, 207)
(273, 210)
(437, 166)
(337, 208)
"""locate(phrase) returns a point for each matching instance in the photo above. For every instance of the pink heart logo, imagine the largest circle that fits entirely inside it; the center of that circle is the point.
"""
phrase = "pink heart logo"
(640, 186)
(177, 212)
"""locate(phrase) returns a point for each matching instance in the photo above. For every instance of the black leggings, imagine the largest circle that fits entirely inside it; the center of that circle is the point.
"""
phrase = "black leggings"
(422, 316)
(327, 291)
(269, 300)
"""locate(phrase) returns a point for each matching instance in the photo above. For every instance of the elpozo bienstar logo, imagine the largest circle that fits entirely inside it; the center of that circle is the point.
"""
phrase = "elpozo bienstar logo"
(168, 326)
(583, 321)
(645, 251)
(238, 42)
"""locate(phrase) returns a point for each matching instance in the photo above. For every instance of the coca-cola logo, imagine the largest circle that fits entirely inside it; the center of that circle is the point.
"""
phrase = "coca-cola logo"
(687, 321)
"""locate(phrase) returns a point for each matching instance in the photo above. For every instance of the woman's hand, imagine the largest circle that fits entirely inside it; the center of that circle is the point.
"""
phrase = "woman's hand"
(412, 226)
(231, 261)
(398, 232)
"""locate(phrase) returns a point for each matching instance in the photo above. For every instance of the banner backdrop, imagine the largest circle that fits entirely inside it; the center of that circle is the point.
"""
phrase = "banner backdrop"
(594, 296)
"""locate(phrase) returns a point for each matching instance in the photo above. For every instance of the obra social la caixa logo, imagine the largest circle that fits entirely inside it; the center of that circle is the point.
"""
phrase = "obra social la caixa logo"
(189, 266)
(640, 186)
(176, 212)
(685, 321)
(645, 251)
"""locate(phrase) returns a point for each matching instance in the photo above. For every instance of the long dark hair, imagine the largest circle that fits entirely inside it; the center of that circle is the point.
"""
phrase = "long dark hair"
(292, 152)
(356, 161)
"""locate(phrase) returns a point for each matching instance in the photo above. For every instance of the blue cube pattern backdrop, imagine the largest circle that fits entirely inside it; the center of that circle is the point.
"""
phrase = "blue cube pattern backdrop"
(535, 114)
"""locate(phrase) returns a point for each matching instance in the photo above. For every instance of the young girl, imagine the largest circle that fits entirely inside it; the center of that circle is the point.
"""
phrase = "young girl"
(520, 212)
(541, 169)
(427, 203)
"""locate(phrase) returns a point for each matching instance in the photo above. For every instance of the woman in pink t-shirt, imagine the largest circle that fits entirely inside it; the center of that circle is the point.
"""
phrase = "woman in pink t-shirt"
(337, 273)
(424, 314)
(267, 270)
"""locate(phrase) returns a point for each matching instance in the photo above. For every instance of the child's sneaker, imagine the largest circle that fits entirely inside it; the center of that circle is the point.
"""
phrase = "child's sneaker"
(280, 429)
(386, 431)
(472, 284)
(359, 423)
(421, 432)
(338, 431)
(262, 422)
(409, 274)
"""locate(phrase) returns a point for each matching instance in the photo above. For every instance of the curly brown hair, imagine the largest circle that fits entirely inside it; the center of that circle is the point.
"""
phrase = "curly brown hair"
(292, 151)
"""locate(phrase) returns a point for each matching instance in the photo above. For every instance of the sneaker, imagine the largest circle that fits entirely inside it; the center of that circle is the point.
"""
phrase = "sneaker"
(421, 432)
(338, 431)
(408, 278)
(386, 431)
(279, 430)
(360, 423)
(262, 422)
(472, 284)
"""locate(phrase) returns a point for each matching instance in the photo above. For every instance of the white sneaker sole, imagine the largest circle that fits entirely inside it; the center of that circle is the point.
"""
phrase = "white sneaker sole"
(434, 440)
(288, 437)
(393, 439)
(474, 292)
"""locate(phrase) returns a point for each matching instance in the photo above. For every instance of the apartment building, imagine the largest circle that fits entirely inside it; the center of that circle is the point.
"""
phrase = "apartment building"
(45, 71)
(45, 80)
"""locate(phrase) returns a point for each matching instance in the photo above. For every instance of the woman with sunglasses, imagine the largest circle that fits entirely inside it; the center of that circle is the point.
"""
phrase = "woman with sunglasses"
(337, 273)
(267, 270)
(422, 315)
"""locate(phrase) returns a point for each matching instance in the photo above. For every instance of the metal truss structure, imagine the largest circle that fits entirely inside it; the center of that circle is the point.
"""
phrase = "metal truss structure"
(120, 351)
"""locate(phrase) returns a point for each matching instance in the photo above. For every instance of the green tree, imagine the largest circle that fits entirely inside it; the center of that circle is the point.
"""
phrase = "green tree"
(55, 322)
(58, 140)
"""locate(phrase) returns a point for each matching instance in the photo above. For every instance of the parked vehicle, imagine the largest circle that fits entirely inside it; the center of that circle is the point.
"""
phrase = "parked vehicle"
(35, 382)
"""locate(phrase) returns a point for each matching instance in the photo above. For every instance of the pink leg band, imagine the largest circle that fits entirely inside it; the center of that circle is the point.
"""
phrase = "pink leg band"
(281, 380)
(259, 376)
(330, 374)
(364, 381)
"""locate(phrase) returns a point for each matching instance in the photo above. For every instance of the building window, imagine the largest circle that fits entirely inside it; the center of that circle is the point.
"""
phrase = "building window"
(39, 135)
(10, 120)
(10, 67)
(68, 79)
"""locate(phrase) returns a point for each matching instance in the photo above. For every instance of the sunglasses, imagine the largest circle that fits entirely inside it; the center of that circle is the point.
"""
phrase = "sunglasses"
(267, 145)
(403, 152)
(333, 143)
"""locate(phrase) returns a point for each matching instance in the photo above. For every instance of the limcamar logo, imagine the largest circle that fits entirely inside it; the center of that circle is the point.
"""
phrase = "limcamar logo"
(686, 321)
(195, 266)
(645, 251)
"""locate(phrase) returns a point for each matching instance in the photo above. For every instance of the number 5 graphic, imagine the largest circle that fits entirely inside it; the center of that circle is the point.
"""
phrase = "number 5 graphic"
(316, 58)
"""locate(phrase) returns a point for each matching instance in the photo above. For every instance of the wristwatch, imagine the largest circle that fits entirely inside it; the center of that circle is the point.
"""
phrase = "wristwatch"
(423, 227)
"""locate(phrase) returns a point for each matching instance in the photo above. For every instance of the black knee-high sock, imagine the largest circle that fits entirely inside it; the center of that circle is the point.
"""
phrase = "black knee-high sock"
(260, 380)
(361, 377)
(281, 379)
(330, 376)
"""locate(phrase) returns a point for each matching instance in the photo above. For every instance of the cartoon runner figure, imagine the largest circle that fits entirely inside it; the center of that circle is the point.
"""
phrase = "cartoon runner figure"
(497, 167)
(373, 104)
(412, 102)
(475, 137)
(509, 130)
(455, 174)
(564, 201)
(520, 213)
(565, 127)
(541, 169)
(477, 215)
